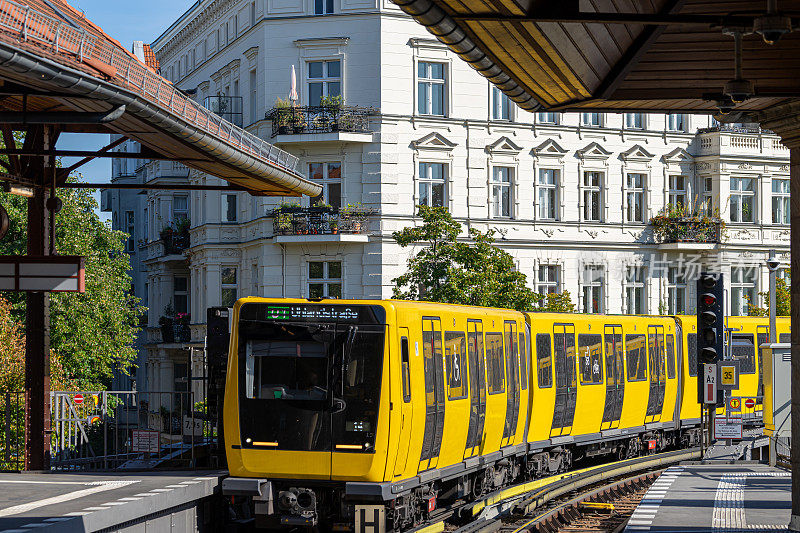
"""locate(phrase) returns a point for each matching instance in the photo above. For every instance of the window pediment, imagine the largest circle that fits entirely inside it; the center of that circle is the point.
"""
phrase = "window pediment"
(594, 151)
(503, 145)
(678, 155)
(433, 141)
(549, 148)
(636, 153)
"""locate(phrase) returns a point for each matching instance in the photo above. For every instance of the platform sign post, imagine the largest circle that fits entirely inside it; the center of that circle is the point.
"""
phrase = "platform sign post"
(710, 384)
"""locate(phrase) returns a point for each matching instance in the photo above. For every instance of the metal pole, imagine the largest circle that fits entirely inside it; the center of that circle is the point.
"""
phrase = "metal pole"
(37, 314)
(773, 281)
(794, 172)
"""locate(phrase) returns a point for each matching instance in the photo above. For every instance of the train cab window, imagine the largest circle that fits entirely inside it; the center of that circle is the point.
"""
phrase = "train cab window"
(744, 350)
(286, 370)
(671, 356)
(590, 355)
(494, 362)
(405, 369)
(691, 351)
(455, 351)
(636, 357)
(544, 360)
(524, 352)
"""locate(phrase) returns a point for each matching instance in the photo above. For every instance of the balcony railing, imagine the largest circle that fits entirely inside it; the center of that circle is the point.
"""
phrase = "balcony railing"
(751, 128)
(319, 119)
(175, 242)
(699, 230)
(228, 107)
(319, 220)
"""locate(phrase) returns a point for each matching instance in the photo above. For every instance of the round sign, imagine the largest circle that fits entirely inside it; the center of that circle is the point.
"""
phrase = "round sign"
(78, 398)
(735, 404)
(749, 403)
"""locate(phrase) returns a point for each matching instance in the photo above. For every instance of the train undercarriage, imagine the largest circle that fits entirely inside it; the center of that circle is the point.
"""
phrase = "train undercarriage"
(325, 506)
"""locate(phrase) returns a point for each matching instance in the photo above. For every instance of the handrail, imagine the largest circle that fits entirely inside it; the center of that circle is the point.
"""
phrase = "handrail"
(100, 54)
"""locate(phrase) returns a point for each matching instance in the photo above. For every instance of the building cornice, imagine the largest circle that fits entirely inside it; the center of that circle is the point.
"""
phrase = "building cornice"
(194, 25)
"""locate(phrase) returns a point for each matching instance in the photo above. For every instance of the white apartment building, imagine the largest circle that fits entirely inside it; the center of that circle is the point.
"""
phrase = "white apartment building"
(570, 195)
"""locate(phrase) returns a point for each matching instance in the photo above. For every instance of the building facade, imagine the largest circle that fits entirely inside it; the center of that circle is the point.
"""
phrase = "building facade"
(387, 118)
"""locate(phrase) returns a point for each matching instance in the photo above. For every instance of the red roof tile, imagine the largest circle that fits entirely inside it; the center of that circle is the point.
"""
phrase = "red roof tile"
(150, 59)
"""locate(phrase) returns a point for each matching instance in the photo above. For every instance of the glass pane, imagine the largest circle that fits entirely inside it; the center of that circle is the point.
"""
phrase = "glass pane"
(315, 68)
(316, 270)
(314, 93)
(228, 297)
(334, 270)
(318, 7)
(334, 88)
(422, 98)
(334, 171)
(230, 207)
(735, 215)
(315, 171)
(437, 99)
(316, 290)
(747, 209)
(422, 70)
(334, 290)
(437, 198)
(229, 276)
(329, 6)
(506, 201)
(437, 71)
(424, 193)
(181, 284)
(335, 194)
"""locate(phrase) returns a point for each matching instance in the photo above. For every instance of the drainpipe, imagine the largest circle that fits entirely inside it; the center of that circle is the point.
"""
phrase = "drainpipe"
(283, 270)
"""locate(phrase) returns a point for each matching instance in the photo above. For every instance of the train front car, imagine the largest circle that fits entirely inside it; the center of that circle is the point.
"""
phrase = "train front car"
(306, 405)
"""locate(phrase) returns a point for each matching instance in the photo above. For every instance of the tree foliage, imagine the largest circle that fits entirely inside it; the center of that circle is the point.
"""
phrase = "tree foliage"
(783, 300)
(469, 272)
(91, 334)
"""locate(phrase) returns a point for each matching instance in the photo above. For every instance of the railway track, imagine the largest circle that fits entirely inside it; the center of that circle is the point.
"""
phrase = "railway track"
(599, 498)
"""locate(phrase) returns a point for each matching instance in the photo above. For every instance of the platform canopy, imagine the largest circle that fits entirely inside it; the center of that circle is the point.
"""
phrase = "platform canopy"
(619, 55)
(59, 68)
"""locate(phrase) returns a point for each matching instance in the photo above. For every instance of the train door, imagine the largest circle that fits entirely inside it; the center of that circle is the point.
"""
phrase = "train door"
(512, 379)
(762, 337)
(566, 379)
(434, 392)
(406, 407)
(658, 383)
(477, 388)
(615, 377)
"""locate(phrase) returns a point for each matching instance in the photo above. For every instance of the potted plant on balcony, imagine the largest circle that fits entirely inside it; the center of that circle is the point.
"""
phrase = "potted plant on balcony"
(167, 321)
(334, 226)
(283, 222)
(182, 321)
(331, 106)
(356, 214)
(167, 235)
(681, 223)
(282, 115)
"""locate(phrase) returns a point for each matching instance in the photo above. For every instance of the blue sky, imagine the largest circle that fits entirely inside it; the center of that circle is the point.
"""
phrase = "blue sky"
(126, 21)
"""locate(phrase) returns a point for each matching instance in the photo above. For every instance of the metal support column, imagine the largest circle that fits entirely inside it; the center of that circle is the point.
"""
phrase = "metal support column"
(37, 312)
(794, 174)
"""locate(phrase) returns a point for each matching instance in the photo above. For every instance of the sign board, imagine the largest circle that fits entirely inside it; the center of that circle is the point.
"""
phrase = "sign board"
(144, 440)
(728, 375)
(46, 273)
(78, 399)
(750, 403)
(728, 427)
(735, 404)
(192, 426)
(710, 384)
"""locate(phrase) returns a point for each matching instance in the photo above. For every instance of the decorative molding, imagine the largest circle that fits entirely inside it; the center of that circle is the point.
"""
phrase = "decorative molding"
(321, 42)
(504, 145)
(636, 153)
(194, 26)
(549, 148)
(422, 42)
(678, 155)
(593, 151)
(745, 166)
(433, 141)
(251, 53)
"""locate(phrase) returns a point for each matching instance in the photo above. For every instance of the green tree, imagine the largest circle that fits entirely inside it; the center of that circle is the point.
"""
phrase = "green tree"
(783, 300)
(468, 272)
(557, 302)
(92, 334)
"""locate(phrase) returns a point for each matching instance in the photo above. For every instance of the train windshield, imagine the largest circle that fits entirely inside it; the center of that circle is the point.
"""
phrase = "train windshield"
(311, 379)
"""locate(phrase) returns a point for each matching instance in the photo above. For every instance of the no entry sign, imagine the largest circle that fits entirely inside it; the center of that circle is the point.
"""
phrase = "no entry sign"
(78, 398)
(750, 403)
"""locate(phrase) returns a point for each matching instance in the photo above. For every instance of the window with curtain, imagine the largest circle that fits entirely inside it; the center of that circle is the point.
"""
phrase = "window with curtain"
(743, 199)
(431, 88)
(592, 196)
(548, 193)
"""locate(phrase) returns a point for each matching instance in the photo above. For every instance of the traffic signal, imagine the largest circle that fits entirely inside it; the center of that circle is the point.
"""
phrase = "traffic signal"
(710, 324)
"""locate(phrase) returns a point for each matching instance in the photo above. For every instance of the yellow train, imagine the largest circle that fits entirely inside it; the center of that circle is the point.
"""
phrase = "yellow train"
(370, 415)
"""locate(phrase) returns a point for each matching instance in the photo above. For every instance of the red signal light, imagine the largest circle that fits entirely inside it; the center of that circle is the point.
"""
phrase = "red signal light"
(709, 300)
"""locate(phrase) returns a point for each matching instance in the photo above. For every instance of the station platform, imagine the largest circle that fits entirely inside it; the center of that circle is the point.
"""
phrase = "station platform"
(85, 502)
(715, 496)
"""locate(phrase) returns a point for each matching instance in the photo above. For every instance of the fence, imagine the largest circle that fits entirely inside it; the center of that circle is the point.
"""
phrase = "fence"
(113, 430)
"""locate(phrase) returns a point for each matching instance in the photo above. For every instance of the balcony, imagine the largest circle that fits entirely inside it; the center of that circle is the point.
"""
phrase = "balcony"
(175, 240)
(292, 224)
(321, 123)
(696, 233)
(228, 107)
(740, 139)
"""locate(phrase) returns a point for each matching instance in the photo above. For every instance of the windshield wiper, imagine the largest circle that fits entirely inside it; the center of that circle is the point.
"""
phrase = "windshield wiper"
(337, 405)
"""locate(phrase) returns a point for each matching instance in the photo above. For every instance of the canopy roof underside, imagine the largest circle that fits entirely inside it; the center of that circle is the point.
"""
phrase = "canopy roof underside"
(536, 52)
(53, 60)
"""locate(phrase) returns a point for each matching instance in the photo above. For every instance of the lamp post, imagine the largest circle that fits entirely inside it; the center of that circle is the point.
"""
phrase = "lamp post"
(772, 264)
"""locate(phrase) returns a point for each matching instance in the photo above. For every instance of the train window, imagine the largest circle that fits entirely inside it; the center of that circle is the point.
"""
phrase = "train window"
(614, 354)
(524, 353)
(477, 374)
(785, 337)
(544, 360)
(636, 357)
(455, 351)
(743, 349)
(670, 356)
(494, 362)
(564, 346)
(405, 369)
(691, 349)
(590, 355)
(286, 370)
